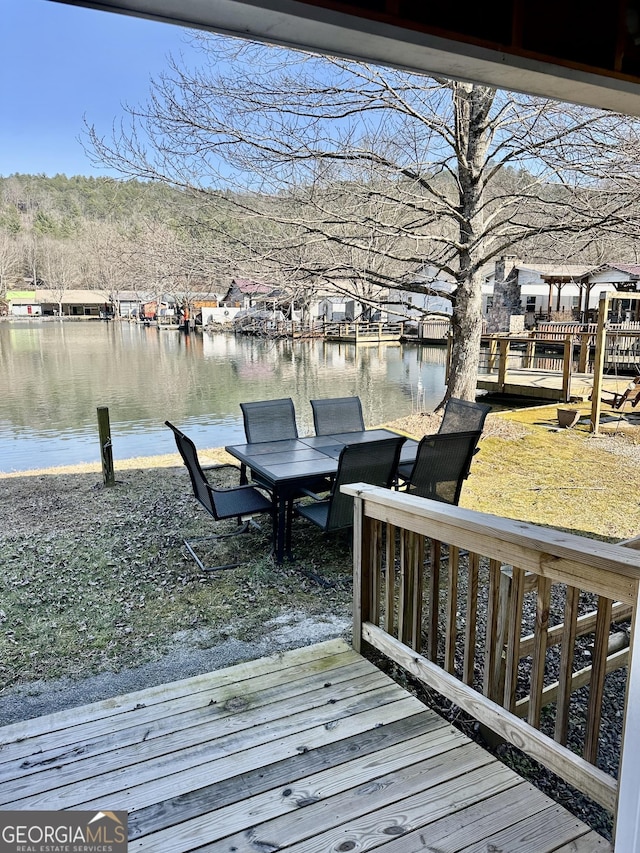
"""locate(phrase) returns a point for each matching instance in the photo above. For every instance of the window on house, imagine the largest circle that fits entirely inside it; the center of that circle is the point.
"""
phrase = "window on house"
(489, 303)
(531, 304)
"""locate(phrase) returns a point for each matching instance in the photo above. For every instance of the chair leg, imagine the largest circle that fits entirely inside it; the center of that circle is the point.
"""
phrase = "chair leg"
(242, 528)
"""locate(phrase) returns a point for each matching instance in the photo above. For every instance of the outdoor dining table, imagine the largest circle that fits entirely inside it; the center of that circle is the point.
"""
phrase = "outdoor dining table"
(290, 464)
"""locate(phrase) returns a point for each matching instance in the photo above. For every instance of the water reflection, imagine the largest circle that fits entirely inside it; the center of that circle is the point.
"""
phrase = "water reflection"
(55, 375)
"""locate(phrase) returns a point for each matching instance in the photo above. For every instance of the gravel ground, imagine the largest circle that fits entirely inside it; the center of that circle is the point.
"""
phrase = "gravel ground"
(41, 697)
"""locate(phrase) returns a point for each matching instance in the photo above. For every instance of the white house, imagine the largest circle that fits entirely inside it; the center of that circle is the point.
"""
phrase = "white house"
(552, 291)
(406, 305)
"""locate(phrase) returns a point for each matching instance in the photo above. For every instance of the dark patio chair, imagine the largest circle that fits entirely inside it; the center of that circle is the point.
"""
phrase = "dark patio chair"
(337, 414)
(441, 466)
(241, 502)
(463, 416)
(269, 420)
(373, 462)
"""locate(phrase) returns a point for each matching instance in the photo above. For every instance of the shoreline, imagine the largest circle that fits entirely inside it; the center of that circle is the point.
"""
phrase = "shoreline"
(162, 460)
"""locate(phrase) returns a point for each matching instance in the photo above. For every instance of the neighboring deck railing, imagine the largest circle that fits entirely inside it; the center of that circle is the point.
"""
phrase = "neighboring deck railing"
(501, 353)
(476, 607)
(360, 331)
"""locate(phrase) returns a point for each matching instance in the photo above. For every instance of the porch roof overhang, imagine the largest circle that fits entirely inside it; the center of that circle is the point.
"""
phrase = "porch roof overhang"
(509, 48)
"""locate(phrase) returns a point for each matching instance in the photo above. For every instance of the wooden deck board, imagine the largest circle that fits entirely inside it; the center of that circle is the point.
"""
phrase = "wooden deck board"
(309, 751)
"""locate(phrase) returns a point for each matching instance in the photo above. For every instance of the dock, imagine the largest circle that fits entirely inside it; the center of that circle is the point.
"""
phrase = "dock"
(548, 384)
(308, 751)
(551, 370)
(363, 333)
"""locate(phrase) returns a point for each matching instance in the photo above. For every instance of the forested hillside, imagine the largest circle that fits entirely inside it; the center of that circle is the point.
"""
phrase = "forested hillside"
(109, 235)
(112, 235)
(60, 205)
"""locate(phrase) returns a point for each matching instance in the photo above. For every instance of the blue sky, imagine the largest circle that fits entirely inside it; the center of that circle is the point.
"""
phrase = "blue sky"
(60, 63)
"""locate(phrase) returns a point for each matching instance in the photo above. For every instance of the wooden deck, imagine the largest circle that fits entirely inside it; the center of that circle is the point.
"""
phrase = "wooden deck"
(547, 384)
(311, 751)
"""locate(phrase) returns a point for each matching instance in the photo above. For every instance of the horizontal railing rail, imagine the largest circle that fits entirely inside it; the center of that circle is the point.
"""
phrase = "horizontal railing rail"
(494, 614)
(358, 329)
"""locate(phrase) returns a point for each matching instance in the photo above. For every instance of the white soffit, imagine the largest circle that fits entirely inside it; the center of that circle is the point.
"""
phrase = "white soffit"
(298, 25)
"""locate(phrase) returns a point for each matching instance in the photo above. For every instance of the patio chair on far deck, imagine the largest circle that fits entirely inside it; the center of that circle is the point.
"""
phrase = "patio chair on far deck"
(442, 463)
(337, 414)
(241, 502)
(373, 462)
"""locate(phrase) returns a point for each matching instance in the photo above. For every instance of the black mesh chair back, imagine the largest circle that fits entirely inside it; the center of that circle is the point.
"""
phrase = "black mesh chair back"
(373, 462)
(269, 420)
(463, 416)
(201, 488)
(442, 463)
(220, 503)
(337, 414)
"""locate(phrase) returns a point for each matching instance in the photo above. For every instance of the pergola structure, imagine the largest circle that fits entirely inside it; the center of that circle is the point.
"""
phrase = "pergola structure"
(557, 281)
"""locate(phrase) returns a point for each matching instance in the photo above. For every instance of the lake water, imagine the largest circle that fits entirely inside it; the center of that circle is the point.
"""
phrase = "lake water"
(55, 374)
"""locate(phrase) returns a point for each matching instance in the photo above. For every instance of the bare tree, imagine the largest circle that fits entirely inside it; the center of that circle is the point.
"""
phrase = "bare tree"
(382, 171)
(29, 247)
(59, 267)
(102, 263)
(9, 262)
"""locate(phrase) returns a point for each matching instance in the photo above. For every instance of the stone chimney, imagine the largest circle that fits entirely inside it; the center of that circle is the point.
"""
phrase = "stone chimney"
(506, 297)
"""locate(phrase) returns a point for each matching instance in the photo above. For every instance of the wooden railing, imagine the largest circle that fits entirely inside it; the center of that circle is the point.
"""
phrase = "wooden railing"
(465, 602)
(497, 352)
(363, 331)
(501, 352)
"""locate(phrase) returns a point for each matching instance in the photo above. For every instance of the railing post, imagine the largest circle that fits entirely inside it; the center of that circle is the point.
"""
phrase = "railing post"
(530, 353)
(567, 366)
(493, 354)
(598, 362)
(627, 824)
(584, 352)
(106, 448)
(505, 346)
(361, 576)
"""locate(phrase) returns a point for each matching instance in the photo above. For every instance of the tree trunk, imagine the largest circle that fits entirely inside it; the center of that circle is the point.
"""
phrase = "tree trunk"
(466, 326)
(471, 106)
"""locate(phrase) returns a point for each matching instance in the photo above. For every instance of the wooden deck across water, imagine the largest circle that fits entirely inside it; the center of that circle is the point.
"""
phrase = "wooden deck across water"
(547, 384)
(311, 751)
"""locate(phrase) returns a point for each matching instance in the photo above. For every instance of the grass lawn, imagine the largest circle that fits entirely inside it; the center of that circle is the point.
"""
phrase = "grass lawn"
(97, 579)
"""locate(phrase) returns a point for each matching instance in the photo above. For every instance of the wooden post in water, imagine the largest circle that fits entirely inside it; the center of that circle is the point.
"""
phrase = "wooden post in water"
(106, 449)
